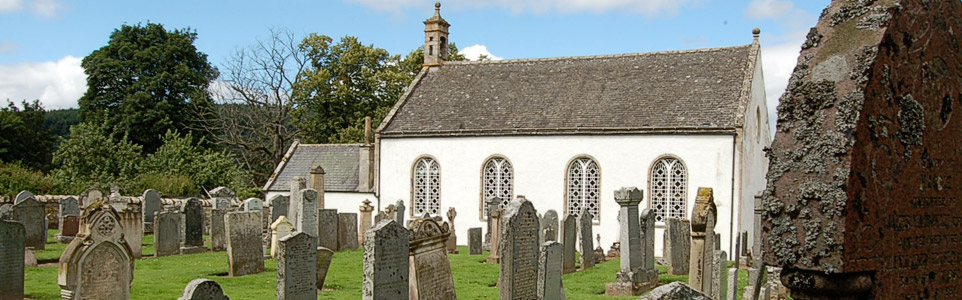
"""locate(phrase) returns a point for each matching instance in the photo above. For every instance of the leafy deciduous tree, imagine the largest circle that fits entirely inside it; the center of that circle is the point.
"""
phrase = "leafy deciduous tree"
(22, 136)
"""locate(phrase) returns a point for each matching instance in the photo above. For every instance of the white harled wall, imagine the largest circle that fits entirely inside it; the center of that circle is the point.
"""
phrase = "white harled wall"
(540, 164)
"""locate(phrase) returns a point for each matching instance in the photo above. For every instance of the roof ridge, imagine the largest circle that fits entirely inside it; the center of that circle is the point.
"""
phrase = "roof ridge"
(603, 56)
(333, 145)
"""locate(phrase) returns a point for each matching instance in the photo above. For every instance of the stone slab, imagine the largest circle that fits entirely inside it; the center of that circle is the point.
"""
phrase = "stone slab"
(203, 289)
(677, 246)
(31, 214)
(386, 265)
(474, 241)
(347, 231)
(167, 233)
(244, 251)
(297, 267)
(218, 234)
(12, 252)
(324, 258)
(519, 251)
(327, 231)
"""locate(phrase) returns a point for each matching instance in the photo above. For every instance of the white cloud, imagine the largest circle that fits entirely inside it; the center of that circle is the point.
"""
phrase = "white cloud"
(649, 8)
(768, 9)
(10, 5)
(475, 52)
(46, 8)
(58, 84)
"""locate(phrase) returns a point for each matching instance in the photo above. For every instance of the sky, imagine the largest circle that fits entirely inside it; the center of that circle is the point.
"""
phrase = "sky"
(42, 42)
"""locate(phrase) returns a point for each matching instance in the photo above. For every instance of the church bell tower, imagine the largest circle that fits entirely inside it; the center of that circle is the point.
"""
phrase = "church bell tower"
(435, 38)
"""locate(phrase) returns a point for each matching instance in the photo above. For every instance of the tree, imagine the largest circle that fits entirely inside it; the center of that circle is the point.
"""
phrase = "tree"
(60, 120)
(348, 81)
(179, 157)
(23, 138)
(253, 115)
(90, 158)
(145, 81)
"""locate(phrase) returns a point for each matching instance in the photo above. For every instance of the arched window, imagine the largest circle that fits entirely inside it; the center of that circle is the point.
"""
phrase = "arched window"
(669, 189)
(497, 182)
(426, 187)
(583, 187)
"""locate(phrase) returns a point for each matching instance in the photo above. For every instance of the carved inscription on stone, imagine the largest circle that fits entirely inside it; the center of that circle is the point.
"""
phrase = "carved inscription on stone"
(11, 260)
(386, 265)
(297, 267)
(101, 276)
(520, 251)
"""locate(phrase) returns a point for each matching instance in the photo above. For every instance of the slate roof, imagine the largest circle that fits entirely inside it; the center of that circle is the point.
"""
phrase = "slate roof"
(340, 163)
(694, 90)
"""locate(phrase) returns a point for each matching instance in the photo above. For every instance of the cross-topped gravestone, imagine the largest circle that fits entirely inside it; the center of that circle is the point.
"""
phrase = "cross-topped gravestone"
(346, 231)
(297, 267)
(863, 194)
(430, 269)
(702, 244)
(569, 241)
(151, 204)
(203, 289)
(30, 213)
(587, 246)
(677, 245)
(245, 254)
(167, 233)
(98, 263)
(386, 266)
(452, 242)
(519, 251)
(12, 247)
(327, 220)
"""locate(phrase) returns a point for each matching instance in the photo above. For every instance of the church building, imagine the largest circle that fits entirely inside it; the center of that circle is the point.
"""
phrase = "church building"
(566, 132)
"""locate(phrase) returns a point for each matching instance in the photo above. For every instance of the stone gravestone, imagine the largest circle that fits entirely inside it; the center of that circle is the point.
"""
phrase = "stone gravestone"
(297, 267)
(452, 243)
(519, 251)
(474, 241)
(756, 275)
(366, 215)
(324, 257)
(193, 241)
(430, 270)
(98, 263)
(549, 226)
(647, 220)
(399, 212)
(167, 233)
(550, 285)
(203, 289)
(494, 218)
(255, 205)
(69, 206)
(702, 233)
(221, 198)
(386, 263)
(305, 212)
(584, 232)
(30, 213)
(244, 252)
(677, 245)
(327, 220)
(297, 184)
(151, 203)
(719, 275)
(675, 291)
(632, 279)
(346, 231)
(69, 223)
(863, 194)
(131, 220)
(23, 195)
(490, 205)
(732, 284)
(218, 234)
(281, 228)
(90, 196)
(279, 205)
(12, 245)
(569, 240)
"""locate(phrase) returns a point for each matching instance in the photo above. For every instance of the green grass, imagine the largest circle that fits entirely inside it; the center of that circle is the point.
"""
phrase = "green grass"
(166, 277)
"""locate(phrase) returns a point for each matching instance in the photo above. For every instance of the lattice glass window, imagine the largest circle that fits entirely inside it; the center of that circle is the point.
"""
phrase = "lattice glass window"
(584, 185)
(426, 187)
(496, 182)
(669, 189)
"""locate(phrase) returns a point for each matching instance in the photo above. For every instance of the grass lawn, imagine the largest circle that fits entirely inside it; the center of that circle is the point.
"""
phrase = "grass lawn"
(166, 277)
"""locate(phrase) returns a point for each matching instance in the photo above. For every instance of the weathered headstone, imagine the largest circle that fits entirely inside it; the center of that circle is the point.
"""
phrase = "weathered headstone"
(98, 263)
(253, 204)
(193, 227)
(167, 233)
(297, 267)
(131, 221)
(494, 256)
(647, 220)
(244, 252)
(474, 241)
(569, 241)
(279, 206)
(587, 246)
(386, 266)
(30, 213)
(452, 242)
(29, 258)
(203, 289)
(346, 231)
(549, 226)
(719, 276)
(151, 203)
(296, 184)
(675, 291)
(550, 285)
(89, 196)
(702, 234)
(327, 230)
(490, 205)
(632, 278)
(279, 229)
(677, 245)
(69, 206)
(519, 251)
(23, 195)
(324, 257)
(12, 245)
(218, 234)
(430, 270)
(732, 293)
(399, 212)
(221, 198)
(69, 227)
(863, 191)
(756, 275)
(305, 218)
(366, 210)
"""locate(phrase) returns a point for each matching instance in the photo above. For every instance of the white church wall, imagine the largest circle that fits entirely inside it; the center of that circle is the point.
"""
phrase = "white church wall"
(343, 202)
(754, 163)
(540, 163)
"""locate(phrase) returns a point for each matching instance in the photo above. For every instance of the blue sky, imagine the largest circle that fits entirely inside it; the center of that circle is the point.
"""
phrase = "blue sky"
(43, 41)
